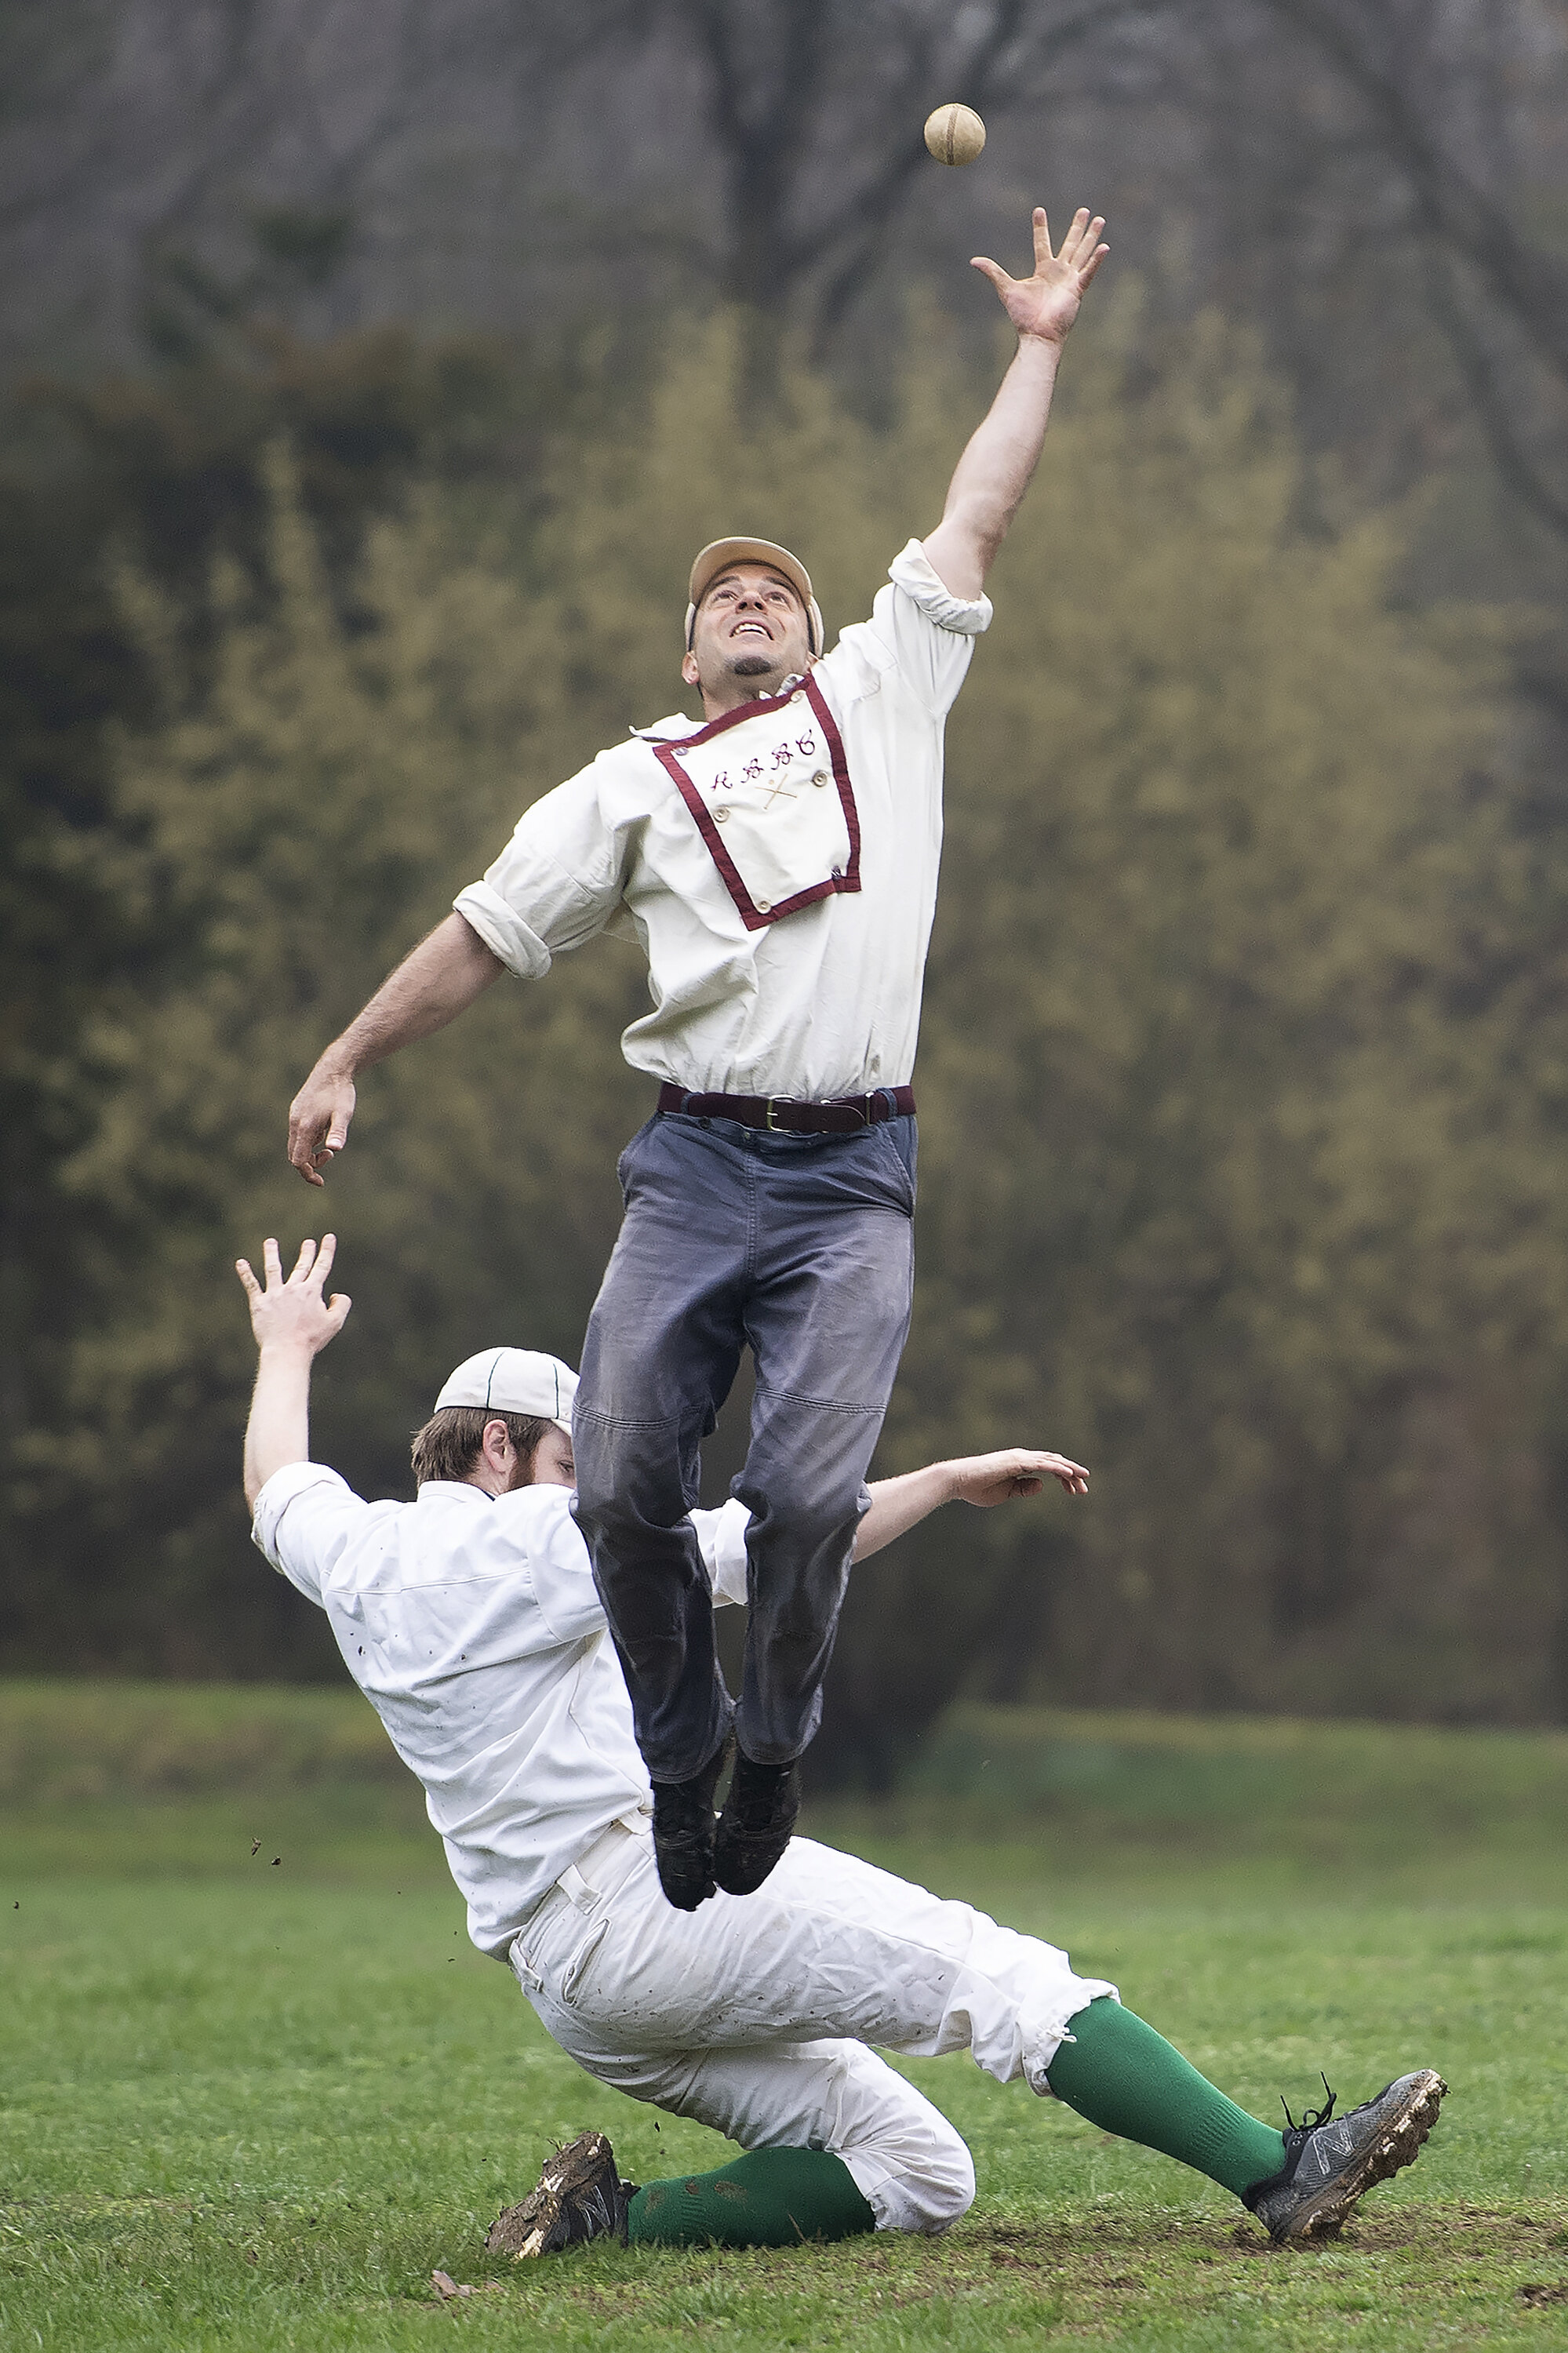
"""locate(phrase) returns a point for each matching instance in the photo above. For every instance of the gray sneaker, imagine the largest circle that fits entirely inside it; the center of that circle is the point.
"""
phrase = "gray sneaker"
(1331, 2161)
(580, 2197)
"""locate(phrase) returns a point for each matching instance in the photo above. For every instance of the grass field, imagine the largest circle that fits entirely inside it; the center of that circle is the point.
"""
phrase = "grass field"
(249, 2103)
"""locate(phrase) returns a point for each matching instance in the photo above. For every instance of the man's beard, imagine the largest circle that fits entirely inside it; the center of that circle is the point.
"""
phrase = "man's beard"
(753, 665)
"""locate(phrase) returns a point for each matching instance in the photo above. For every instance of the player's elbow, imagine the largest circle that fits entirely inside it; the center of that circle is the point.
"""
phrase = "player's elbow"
(974, 528)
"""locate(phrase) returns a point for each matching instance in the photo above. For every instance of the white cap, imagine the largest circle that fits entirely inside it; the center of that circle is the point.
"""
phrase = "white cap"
(514, 1380)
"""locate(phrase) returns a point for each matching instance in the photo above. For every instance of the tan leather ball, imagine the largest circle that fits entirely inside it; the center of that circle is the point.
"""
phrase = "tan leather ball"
(954, 134)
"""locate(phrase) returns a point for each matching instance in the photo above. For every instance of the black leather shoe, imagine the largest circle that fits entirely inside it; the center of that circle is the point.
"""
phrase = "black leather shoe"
(754, 1827)
(683, 1834)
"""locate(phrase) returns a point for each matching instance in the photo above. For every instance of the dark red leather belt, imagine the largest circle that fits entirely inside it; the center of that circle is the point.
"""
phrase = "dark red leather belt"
(844, 1115)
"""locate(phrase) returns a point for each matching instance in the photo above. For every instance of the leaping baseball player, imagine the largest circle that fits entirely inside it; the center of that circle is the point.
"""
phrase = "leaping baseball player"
(776, 862)
(471, 1620)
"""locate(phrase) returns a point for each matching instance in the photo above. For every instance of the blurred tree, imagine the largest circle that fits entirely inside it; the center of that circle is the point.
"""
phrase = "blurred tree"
(1214, 999)
(1378, 184)
(1241, 1129)
(171, 468)
(318, 787)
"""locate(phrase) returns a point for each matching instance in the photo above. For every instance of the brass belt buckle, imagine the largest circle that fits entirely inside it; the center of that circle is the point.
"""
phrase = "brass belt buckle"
(771, 1122)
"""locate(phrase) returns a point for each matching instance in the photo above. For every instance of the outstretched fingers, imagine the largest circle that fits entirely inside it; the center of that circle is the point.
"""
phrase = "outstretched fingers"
(1079, 240)
(1090, 253)
(1087, 268)
(295, 1312)
(309, 1268)
(993, 270)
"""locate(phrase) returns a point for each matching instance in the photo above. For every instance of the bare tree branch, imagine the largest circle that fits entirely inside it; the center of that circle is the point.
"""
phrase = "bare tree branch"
(1532, 285)
(1459, 220)
(1490, 398)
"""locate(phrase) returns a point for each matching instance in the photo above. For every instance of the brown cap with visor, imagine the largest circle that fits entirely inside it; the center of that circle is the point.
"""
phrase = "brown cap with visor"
(723, 554)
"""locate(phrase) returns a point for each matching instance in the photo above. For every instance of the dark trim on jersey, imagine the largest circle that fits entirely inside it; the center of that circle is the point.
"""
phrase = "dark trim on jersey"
(669, 757)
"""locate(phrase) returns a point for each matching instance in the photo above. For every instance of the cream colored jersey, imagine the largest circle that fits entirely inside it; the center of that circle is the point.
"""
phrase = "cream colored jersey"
(778, 867)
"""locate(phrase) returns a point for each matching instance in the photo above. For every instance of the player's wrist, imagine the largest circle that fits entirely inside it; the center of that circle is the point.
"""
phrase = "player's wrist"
(282, 1351)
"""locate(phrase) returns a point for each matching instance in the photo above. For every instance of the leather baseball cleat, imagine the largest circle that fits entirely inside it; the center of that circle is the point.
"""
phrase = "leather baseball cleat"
(683, 1834)
(1332, 2161)
(580, 2197)
(756, 1826)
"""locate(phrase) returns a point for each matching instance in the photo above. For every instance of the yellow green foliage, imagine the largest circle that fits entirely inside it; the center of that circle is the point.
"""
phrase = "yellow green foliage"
(1230, 1121)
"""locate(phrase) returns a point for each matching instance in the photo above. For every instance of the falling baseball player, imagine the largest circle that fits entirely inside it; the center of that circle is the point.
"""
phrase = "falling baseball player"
(776, 862)
(471, 1620)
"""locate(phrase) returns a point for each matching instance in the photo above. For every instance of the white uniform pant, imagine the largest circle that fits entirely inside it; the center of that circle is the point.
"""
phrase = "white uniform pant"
(753, 2013)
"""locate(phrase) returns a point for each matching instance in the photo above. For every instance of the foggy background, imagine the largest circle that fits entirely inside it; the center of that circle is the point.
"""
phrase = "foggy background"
(371, 373)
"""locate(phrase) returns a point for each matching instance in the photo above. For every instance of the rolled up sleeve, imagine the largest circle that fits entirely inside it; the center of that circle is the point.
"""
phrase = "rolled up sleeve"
(928, 630)
(558, 882)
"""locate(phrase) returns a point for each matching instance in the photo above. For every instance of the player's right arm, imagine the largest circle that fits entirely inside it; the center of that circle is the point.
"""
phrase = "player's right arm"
(558, 881)
(293, 1321)
(431, 986)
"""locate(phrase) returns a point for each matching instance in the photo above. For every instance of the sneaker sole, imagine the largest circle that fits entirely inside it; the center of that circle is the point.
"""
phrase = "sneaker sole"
(526, 2230)
(1397, 2145)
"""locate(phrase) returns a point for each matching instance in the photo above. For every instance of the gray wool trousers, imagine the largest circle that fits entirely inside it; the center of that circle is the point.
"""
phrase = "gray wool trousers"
(802, 1247)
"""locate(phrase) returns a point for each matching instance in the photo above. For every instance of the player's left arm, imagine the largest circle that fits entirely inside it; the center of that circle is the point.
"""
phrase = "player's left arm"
(293, 1321)
(994, 473)
(900, 1503)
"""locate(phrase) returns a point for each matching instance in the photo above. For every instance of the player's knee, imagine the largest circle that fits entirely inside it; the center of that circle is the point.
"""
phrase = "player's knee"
(808, 1527)
(931, 2180)
(949, 2186)
(622, 1492)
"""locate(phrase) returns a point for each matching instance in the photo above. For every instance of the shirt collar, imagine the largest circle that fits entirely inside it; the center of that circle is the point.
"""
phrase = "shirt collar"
(671, 730)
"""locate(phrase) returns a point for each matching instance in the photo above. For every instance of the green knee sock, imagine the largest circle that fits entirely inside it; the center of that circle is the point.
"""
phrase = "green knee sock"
(1127, 2079)
(769, 2198)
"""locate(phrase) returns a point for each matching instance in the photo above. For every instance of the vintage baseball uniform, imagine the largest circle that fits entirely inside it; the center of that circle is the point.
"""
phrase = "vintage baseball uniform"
(778, 868)
(472, 1625)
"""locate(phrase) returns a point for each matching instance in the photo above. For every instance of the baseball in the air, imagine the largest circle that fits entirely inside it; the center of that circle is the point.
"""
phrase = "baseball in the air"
(954, 134)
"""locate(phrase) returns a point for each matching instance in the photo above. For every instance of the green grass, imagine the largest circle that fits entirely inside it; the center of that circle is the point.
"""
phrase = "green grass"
(249, 2105)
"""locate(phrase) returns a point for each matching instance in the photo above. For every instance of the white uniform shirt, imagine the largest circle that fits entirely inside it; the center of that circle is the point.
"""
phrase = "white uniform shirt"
(472, 1625)
(824, 1001)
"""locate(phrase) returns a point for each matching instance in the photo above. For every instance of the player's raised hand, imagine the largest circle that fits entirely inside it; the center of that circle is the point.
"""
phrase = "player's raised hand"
(1046, 305)
(293, 1312)
(988, 1479)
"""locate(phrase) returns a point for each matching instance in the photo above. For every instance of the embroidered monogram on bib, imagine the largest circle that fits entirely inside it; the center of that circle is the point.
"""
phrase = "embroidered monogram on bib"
(768, 787)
